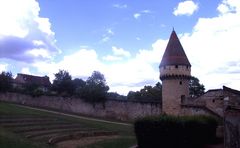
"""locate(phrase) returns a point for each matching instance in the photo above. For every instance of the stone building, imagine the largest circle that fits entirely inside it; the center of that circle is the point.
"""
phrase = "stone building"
(175, 73)
(231, 118)
(23, 79)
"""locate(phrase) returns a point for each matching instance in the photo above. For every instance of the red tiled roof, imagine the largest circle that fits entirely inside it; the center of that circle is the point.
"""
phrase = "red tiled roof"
(30, 79)
(174, 53)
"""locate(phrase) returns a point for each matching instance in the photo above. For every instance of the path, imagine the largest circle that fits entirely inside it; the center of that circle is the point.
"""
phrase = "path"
(75, 116)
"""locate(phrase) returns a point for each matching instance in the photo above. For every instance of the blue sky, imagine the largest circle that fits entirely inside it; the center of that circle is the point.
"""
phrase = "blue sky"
(124, 40)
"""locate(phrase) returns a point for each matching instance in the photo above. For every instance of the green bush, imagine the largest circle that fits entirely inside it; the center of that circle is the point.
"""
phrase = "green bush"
(170, 131)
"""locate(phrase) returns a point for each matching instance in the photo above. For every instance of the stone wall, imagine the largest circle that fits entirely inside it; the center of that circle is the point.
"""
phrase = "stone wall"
(190, 110)
(210, 102)
(120, 110)
(172, 92)
(172, 70)
(214, 100)
(231, 118)
(232, 128)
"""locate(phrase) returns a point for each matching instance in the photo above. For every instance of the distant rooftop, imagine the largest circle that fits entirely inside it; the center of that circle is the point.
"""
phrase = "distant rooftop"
(25, 78)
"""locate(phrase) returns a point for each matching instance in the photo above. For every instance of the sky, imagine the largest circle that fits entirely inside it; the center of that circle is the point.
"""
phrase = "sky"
(123, 39)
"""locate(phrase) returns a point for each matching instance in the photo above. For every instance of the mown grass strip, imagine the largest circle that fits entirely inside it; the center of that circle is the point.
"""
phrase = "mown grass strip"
(121, 142)
(11, 140)
(6, 109)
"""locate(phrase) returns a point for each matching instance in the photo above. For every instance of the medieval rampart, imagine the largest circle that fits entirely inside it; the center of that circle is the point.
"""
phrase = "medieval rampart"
(113, 109)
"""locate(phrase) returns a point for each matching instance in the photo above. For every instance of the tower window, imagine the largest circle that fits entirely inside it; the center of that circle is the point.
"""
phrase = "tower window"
(182, 98)
(180, 82)
(176, 66)
(164, 67)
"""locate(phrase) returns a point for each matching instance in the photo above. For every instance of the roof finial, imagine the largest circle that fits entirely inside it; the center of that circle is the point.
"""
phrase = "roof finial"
(173, 29)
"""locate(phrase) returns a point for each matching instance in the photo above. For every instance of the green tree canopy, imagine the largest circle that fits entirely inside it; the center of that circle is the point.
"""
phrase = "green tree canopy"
(96, 88)
(79, 86)
(148, 93)
(5, 81)
(195, 88)
(62, 83)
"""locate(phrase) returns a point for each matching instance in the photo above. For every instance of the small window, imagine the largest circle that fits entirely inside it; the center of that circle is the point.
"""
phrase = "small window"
(187, 67)
(164, 67)
(180, 82)
(213, 100)
(176, 66)
(182, 98)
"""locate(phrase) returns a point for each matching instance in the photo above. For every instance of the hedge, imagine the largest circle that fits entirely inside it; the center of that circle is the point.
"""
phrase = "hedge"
(170, 131)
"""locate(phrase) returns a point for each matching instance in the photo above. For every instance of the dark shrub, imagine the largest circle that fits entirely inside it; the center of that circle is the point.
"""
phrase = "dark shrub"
(170, 132)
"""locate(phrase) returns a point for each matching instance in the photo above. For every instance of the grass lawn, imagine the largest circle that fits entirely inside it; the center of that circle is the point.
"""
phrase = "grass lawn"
(9, 139)
(113, 143)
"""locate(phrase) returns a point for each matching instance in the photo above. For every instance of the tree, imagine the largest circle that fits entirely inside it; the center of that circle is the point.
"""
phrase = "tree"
(62, 83)
(148, 93)
(79, 86)
(5, 81)
(115, 96)
(135, 96)
(33, 89)
(96, 88)
(195, 88)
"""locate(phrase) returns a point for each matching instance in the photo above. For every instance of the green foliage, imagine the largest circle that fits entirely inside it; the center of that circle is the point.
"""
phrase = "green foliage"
(95, 90)
(33, 89)
(63, 84)
(79, 86)
(171, 131)
(5, 81)
(148, 93)
(116, 96)
(195, 88)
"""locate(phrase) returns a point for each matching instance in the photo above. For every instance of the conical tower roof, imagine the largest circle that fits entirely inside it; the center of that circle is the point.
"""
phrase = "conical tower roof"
(174, 53)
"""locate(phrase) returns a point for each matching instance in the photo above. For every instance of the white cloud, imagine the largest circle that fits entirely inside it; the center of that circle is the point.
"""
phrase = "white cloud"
(118, 54)
(223, 8)
(229, 6)
(139, 14)
(128, 75)
(136, 15)
(3, 67)
(120, 6)
(107, 36)
(187, 7)
(138, 38)
(39, 53)
(213, 49)
(105, 39)
(23, 31)
(81, 63)
(109, 31)
(146, 11)
(131, 76)
(26, 70)
(112, 58)
(163, 25)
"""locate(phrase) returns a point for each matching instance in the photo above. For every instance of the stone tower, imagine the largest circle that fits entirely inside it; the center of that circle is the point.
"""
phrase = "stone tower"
(175, 73)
